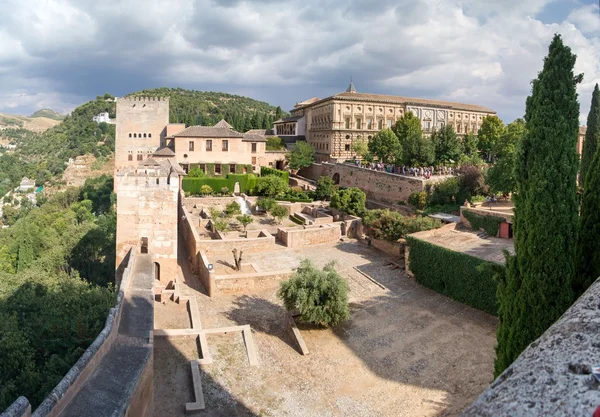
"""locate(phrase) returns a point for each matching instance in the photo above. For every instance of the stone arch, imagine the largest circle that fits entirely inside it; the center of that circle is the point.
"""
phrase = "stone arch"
(336, 178)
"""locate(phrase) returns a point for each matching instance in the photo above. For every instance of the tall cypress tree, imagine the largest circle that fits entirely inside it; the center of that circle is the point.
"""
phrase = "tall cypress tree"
(536, 289)
(592, 136)
(588, 249)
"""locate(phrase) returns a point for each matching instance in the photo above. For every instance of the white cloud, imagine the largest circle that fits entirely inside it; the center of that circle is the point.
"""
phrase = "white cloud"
(480, 51)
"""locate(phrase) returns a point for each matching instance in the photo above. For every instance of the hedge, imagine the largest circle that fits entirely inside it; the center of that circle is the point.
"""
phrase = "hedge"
(247, 182)
(460, 276)
(488, 223)
(264, 171)
(239, 168)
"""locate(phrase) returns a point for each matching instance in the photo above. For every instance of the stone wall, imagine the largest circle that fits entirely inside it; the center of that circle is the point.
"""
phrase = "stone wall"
(249, 245)
(246, 282)
(378, 185)
(20, 408)
(394, 249)
(207, 276)
(484, 212)
(294, 237)
(552, 377)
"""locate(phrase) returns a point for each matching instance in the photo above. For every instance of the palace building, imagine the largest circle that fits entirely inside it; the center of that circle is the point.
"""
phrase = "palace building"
(333, 124)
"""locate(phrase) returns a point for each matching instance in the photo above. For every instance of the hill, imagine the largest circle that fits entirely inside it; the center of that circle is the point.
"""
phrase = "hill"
(33, 124)
(48, 113)
(194, 107)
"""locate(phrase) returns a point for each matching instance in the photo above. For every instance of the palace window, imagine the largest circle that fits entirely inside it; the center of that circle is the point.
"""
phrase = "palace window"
(369, 124)
(130, 157)
(358, 126)
(458, 129)
(217, 168)
(442, 125)
(473, 129)
(254, 160)
(209, 145)
(380, 124)
(347, 147)
(140, 157)
(253, 147)
(347, 123)
(225, 145)
(427, 126)
(191, 146)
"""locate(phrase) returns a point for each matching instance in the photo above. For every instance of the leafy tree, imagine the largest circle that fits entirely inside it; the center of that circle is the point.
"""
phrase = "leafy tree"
(206, 189)
(492, 128)
(360, 148)
(232, 209)
(592, 135)
(321, 297)
(446, 192)
(391, 225)
(500, 177)
(418, 199)
(536, 288)
(416, 148)
(272, 186)
(385, 146)
(470, 145)
(325, 188)
(301, 156)
(266, 203)
(219, 225)
(472, 179)
(245, 220)
(196, 173)
(349, 201)
(279, 212)
(447, 145)
(275, 143)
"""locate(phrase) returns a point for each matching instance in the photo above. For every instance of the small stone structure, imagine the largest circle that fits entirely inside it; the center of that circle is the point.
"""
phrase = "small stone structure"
(553, 375)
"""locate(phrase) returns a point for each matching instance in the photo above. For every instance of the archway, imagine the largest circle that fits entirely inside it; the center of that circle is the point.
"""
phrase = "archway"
(157, 271)
(336, 178)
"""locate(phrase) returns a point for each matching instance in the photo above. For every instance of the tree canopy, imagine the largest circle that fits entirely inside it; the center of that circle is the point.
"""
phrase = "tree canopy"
(417, 150)
(385, 145)
(447, 145)
(301, 156)
(349, 201)
(492, 128)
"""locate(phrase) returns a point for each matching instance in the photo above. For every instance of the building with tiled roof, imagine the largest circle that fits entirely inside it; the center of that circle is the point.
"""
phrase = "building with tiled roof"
(333, 124)
(223, 123)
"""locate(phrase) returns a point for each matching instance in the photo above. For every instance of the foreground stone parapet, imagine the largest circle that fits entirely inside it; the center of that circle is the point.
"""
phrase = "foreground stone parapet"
(552, 376)
(20, 408)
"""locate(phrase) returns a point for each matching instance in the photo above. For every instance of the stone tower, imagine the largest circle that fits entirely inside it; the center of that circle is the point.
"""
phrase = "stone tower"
(147, 186)
(141, 129)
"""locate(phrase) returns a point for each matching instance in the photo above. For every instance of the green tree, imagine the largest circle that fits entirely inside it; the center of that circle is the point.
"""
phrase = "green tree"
(321, 297)
(349, 201)
(492, 128)
(386, 146)
(325, 188)
(470, 145)
(272, 186)
(278, 212)
(206, 189)
(447, 145)
(302, 155)
(536, 288)
(592, 136)
(278, 113)
(266, 203)
(245, 220)
(360, 148)
(232, 209)
(417, 150)
(196, 173)
(275, 143)
(500, 177)
(220, 225)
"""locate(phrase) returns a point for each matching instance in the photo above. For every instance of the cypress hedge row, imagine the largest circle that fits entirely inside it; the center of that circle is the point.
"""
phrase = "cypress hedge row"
(264, 171)
(460, 276)
(488, 223)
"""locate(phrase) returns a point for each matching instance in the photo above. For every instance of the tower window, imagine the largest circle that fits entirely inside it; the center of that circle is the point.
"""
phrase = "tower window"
(134, 135)
(130, 135)
(130, 157)
(191, 146)
(209, 145)
(144, 135)
(140, 157)
(225, 145)
(149, 135)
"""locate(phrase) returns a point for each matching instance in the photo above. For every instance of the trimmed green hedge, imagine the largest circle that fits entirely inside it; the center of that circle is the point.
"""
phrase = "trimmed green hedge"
(460, 276)
(488, 223)
(264, 171)
(247, 182)
(239, 169)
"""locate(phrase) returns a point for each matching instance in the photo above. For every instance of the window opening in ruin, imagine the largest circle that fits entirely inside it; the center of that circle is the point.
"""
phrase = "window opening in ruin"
(157, 271)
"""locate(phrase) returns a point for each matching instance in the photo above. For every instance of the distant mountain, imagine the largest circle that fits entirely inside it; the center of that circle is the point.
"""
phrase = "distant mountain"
(194, 107)
(48, 113)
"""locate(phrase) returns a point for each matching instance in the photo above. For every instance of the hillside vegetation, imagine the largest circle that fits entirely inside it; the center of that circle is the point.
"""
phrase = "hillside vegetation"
(57, 266)
(194, 107)
(48, 113)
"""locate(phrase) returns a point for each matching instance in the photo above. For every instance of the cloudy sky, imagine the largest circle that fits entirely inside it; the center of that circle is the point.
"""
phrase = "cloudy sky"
(59, 54)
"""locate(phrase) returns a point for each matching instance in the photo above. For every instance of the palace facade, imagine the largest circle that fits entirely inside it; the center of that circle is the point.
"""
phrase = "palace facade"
(333, 124)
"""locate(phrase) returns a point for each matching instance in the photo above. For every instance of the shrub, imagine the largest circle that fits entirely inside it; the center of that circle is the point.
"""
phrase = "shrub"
(265, 171)
(488, 223)
(391, 226)
(233, 209)
(271, 186)
(266, 203)
(325, 188)
(220, 225)
(275, 143)
(321, 297)
(446, 191)
(279, 212)
(349, 201)
(472, 178)
(460, 276)
(224, 190)
(418, 200)
(206, 189)
(245, 220)
(196, 173)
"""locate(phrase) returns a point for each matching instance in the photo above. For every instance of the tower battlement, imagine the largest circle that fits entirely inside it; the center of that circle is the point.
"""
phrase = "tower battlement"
(143, 99)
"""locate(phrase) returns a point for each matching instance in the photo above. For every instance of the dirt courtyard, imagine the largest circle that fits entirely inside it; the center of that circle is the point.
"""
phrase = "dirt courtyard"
(406, 350)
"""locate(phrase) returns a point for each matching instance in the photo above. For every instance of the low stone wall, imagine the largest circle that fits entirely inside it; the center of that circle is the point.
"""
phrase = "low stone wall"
(257, 244)
(255, 280)
(219, 202)
(69, 386)
(552, 377)
(293, 237)
(20, 408)
(394, 249)
(378, 185)
(207, 276)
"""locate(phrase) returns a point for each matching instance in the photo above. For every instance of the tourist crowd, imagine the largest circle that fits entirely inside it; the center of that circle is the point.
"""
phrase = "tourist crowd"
(425, 172)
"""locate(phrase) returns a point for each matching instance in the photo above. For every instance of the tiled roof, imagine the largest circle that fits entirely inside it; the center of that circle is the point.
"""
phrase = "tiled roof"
(208, 132)
(262, 132)
(223, 123)
(249, 137)
(164, 152)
